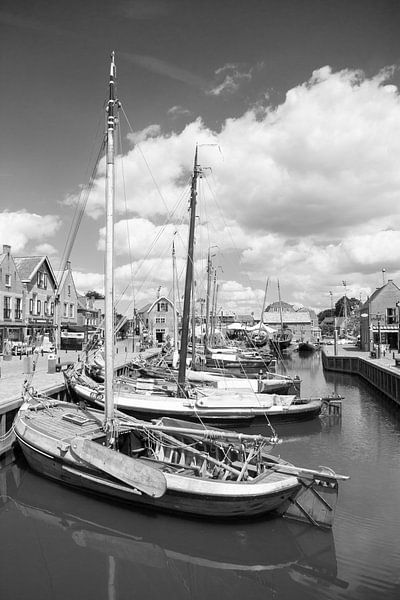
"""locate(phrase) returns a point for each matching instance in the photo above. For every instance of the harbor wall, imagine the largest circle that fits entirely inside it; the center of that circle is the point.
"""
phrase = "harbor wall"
(383, 377)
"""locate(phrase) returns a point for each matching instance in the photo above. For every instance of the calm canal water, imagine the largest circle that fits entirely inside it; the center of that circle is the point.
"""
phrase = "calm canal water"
(57, 544)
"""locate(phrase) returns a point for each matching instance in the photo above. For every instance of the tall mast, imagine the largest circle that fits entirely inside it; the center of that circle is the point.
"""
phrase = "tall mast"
(193, 324)
(109, 263)
(175, 351)
(188, 281)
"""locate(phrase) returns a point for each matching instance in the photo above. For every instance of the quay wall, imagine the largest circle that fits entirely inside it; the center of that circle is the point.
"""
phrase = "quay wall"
(383, 376)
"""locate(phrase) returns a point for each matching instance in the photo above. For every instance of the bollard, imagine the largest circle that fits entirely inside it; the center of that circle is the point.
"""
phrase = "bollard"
(27, 365)
(51, 363)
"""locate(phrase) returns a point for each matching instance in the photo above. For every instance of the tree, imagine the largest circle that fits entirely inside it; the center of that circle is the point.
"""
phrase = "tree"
(94, 294)
(351, 305)
(323, 314)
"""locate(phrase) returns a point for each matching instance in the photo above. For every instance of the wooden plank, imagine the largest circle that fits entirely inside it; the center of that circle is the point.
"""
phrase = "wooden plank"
(131, 471)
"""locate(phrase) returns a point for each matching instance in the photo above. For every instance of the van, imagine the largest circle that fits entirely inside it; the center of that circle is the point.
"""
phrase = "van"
(46, 345)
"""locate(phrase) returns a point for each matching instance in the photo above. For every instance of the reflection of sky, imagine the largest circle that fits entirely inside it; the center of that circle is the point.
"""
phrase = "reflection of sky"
(105, 551)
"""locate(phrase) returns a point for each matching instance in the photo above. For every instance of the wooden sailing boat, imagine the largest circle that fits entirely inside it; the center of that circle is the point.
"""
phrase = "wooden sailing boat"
(167, 464)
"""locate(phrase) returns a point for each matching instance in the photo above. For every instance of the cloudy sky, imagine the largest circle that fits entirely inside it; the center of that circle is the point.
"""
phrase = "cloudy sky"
(294, 105)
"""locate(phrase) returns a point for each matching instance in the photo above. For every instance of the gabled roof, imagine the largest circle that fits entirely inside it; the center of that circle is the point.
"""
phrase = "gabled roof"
(377, 292)
(28, 266)
(150, 305)
(62, 277)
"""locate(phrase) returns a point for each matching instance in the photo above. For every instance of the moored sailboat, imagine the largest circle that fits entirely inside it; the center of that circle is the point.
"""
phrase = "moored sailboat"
(219, 402)
(167, 464)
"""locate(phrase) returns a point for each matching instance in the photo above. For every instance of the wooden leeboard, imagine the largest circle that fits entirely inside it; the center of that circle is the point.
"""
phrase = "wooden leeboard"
(315, 502)
(131, 471)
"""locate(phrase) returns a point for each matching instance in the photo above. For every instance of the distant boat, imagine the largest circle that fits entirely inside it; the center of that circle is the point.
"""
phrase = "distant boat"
(282, 339)
(308, 346)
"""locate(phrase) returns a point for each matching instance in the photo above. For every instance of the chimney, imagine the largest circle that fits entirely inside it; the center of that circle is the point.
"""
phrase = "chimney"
(6, 249)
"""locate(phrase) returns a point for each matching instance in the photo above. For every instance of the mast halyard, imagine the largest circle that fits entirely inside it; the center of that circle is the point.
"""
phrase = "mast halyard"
(188, 281)
(280, 306)
(207, 332)
(109, 262)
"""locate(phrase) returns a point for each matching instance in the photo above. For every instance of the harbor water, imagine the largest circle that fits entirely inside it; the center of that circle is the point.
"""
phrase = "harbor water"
(57, 544)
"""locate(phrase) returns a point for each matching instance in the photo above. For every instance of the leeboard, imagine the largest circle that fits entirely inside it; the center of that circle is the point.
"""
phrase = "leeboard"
(129, 470)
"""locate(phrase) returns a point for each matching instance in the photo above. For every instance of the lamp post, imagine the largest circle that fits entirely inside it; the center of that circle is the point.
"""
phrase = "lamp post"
(378, 317)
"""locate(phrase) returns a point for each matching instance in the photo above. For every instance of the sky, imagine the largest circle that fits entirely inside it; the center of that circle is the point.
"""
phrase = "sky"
(294, 106)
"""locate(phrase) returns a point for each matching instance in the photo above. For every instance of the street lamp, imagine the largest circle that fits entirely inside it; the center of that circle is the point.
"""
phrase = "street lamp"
(378, 317)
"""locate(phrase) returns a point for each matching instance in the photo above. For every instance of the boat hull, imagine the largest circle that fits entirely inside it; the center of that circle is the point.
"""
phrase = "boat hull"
(201, 503)
(219, 408)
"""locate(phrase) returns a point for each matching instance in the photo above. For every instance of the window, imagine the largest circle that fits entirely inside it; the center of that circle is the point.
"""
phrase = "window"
(69, 290)
(46, 308)
(160, 319)
(65, 309)
(162, 306)
(7, 307)
(390, 316)
(31, 306)
(42, 280)
(71, 310)
(38, 307)
(7, 280)
(18, 311)
(52, 308)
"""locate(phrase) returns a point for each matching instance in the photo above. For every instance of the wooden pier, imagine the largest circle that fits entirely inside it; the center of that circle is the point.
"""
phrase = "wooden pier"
(382, 373)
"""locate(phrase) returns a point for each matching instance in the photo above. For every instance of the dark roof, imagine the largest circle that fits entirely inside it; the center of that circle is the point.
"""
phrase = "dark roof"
(28, 265)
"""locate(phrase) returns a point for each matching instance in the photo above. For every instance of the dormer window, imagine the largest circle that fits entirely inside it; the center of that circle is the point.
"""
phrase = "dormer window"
(162, 306)
(7, 280)
(42, 280)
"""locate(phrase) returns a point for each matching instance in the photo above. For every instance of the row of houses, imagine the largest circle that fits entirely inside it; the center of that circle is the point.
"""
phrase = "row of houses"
(35, 300)
(155, 320)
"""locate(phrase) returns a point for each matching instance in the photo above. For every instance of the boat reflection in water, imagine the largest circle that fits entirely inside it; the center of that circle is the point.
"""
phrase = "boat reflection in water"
(74, 545)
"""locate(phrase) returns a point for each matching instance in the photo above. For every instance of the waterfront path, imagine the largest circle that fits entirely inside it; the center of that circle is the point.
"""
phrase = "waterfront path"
(388, 361)
(15, 371)
(383, 373)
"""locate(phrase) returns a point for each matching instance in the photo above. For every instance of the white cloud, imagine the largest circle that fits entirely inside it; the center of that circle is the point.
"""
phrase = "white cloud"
(88, 281)
(20, 228)
(46, 249)
(306, 191)
(232, 80)
(177, 110)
